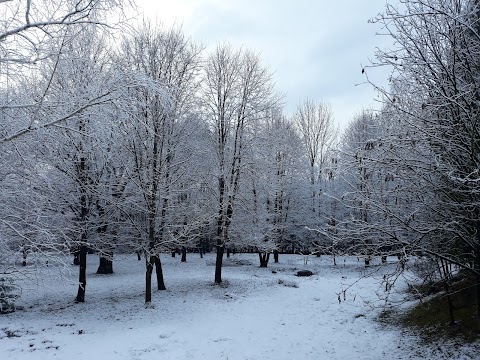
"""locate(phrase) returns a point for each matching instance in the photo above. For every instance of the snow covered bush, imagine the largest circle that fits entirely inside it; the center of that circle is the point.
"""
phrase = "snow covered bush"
(8, 295)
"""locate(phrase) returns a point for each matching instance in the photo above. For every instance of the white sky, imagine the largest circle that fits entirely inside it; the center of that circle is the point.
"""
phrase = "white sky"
(316, 48)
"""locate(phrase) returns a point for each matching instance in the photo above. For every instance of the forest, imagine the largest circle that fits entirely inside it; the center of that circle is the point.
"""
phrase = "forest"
(131, 138)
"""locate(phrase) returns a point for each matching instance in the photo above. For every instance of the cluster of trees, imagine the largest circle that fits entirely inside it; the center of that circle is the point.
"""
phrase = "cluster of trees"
(410, 172)
(148, 145)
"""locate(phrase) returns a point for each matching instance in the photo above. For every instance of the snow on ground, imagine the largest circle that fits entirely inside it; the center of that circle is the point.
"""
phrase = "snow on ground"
(255, 314)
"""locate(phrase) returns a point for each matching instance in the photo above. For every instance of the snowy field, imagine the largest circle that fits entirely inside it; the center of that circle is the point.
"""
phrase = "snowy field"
(255, 314)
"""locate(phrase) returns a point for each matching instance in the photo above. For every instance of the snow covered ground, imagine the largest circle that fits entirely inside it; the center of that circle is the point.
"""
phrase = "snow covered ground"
(255, 314)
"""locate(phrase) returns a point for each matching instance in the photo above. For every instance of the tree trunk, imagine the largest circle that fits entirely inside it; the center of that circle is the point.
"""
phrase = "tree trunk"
(158, 269)
(367, 261)
(264, 257)
(106, 264)
(84, 210)
(173, 253)
(477, 296)
(148, 279)
(477, 278)
(275, 256)
(384, 259)
(139, 257)
(82, 274)
(218, 264)
(450, 304)
(184, 254)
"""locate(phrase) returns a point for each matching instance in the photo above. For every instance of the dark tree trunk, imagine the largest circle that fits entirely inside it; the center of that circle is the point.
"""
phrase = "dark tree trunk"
(450, 304)
(148, 278)
(84, 210)
(384, 259)
(158, 269)
(264, 257)
(228, 253)
(218, 264)
(275, 256)
(139, 256)
(106, 264)
(184, 254)
(477, 296)
(477, 289)
(82, 275)
(201, 253)
(367, 262)
(476, 262)
(174, 253)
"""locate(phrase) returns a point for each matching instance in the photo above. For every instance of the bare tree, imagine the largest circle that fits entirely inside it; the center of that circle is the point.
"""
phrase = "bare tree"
(32, 32)
(237, 90)
(155, 129)
(315, 123)
(434, 89)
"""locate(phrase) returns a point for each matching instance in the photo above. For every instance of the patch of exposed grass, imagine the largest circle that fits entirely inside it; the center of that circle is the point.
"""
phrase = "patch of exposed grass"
(431, 318)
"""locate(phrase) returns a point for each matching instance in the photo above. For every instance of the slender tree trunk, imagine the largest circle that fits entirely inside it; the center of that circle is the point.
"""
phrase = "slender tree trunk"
(477, 289)
(275, 256)
(476, 254)
(218, 264)
(450, 304)
(184, 254)
(139, 256)
(220, 231)
(82, 275)
(148, 278)
(173, 253)
(158, 269)
(151, 258)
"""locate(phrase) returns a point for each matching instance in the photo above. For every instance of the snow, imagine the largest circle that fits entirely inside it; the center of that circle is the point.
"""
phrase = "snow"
(255, 314)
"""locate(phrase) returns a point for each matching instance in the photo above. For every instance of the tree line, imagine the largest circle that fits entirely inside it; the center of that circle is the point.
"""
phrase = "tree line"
(147, 143)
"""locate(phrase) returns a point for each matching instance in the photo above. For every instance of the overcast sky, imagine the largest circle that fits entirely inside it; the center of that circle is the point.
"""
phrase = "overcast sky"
(316, 48)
